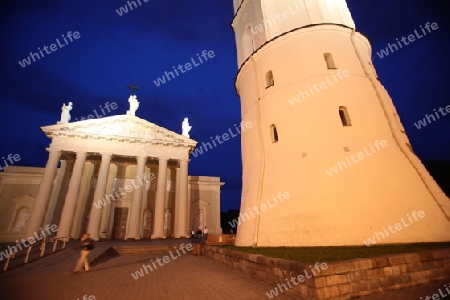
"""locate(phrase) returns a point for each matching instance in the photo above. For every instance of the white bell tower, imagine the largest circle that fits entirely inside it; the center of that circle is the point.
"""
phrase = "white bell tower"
(326, 133)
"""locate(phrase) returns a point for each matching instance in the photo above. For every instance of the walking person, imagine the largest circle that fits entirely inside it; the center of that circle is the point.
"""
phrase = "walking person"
(86, 246)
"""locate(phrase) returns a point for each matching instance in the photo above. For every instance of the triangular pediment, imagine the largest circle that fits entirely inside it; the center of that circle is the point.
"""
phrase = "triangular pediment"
(24, 198)
(122, 127)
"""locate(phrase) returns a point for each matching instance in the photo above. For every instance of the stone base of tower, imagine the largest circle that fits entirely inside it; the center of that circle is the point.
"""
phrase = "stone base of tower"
(355, 218)
(390, 206)
(337, 238)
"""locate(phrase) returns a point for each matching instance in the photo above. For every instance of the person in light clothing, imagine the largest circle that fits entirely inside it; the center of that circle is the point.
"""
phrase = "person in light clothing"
(86, 246)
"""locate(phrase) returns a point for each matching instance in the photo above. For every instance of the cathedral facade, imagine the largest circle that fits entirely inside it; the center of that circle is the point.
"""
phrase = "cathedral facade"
(118, 177)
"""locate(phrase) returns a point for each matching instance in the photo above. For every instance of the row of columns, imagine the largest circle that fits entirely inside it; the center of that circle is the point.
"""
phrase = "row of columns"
(67, 214)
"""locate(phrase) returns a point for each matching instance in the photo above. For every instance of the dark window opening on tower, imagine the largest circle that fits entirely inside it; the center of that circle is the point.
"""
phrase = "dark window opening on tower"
(330, 61)
(269, 79)
(274, 133)
(345, 118)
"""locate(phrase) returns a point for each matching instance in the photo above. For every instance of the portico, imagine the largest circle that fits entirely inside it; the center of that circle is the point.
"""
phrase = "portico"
(134, 147)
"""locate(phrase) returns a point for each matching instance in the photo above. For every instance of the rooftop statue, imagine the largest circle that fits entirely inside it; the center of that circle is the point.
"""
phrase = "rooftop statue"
(134, 105)
(65, 113)
(185, 127)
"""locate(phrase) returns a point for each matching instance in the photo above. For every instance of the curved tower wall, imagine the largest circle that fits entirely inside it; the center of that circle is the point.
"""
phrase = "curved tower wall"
(379, 182)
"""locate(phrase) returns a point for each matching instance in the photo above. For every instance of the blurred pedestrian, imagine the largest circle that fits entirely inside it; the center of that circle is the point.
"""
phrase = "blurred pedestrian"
(86, 246)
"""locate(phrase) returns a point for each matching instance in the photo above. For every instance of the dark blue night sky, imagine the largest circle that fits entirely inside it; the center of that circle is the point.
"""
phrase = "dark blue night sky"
(113, 51)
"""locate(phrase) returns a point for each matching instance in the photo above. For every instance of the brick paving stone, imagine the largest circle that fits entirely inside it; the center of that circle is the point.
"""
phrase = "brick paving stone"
(186, 277)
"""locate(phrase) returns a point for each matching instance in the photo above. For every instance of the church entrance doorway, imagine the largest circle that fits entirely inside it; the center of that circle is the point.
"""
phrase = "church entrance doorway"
(120, 223)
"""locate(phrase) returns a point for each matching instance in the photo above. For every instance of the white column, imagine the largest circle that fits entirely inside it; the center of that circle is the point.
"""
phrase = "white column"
(181, 201)
(79, 217)
(177, 200)
(96, 213)
(136, 205)
(54, 196)
(158, 228)
(145, 189)
(43, 195)
(71, 197)
(107, 220)
(189, 214)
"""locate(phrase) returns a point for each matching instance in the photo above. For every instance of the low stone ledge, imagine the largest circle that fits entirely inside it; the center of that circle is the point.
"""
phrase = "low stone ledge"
(340, 280)
(398, 259)
(336, 279)
(363, 264)
(440, 254)
(356, 276)
(380, 262)
(297, 268)
(412, 258)
(375, 273)
(426, 256)
(253, 257)
(344, 267)
(265, 260)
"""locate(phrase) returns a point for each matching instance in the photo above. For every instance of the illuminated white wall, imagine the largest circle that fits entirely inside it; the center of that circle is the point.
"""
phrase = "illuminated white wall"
(348, 207)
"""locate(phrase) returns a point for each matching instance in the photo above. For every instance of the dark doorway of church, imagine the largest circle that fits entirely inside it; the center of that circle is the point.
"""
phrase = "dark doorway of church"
(120, 223)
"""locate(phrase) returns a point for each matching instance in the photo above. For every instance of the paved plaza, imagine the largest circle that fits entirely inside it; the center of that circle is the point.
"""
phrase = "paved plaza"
(186, 277)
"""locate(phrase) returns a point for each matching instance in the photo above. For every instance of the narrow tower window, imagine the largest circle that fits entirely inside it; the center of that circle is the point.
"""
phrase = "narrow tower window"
(274, 133)
(269, 79)
(330, 61)
(345, 118)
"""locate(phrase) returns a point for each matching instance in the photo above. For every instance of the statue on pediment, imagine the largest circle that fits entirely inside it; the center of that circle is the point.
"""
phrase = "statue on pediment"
(134, 105)
(185, 127)
(65, 113)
